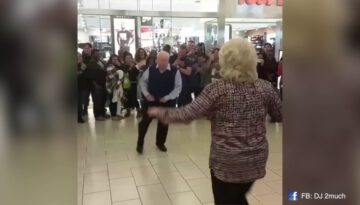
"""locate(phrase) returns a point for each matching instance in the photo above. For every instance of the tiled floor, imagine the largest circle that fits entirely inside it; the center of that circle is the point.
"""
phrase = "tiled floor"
(112, 173)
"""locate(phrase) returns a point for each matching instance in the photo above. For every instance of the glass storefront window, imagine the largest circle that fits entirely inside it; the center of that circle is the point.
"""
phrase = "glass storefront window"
(151, 33)
(173, 31)
(91, 4)
(195, 5)
(97, 31)
(162, 5)
(104, 4)
(153, 5)
(146, 5)
(124, 4)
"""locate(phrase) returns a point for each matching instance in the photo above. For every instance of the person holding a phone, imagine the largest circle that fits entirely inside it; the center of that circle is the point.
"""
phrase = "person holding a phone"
(184, 65)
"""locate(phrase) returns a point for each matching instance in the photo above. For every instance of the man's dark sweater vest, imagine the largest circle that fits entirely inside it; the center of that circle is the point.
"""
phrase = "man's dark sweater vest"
(161, 84)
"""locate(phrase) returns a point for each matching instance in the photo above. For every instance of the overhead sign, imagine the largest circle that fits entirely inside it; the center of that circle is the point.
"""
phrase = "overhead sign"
(261, 2)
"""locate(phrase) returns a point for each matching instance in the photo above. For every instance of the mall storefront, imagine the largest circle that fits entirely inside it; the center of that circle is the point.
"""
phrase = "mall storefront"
(110, 25)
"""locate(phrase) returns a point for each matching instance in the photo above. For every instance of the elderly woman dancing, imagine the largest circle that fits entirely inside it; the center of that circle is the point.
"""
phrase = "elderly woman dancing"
(237, 106)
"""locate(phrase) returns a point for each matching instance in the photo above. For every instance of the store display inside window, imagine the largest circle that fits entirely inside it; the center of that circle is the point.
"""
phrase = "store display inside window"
(124, 32)
(124, 38)
(146, 33)
(162, 33)
(103, 43)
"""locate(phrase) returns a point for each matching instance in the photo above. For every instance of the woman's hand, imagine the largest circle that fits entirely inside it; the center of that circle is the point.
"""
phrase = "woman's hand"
(154, 112)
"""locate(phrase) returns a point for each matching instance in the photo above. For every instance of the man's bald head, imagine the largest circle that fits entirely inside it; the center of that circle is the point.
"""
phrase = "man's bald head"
(163, 59)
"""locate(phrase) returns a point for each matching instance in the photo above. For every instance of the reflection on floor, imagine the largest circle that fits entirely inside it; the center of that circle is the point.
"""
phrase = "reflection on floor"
(112, 173)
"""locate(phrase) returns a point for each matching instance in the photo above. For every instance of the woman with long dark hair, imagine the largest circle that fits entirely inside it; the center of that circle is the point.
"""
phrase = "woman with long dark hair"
(140, 58)
(151, 60)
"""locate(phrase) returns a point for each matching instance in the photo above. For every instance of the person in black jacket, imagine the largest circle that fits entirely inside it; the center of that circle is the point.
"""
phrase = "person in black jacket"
(86, 58)
(81, 83)
(270, 64)
(260, 65)
(95, 76)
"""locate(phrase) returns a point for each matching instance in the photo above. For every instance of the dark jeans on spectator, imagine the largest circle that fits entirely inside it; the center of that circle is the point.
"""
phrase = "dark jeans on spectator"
(229, 193)
(79, 105)
(112, 106)
(132, 100)
(99, 96)
(85, 96)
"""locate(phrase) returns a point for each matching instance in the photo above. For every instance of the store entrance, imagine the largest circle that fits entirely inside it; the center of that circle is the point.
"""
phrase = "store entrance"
(155, 32)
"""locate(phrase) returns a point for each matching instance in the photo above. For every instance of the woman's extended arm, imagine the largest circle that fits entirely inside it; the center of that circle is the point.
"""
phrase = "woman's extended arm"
(198, 108)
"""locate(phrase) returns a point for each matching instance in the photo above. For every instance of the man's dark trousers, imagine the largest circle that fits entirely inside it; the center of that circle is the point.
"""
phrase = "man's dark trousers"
(162, 129)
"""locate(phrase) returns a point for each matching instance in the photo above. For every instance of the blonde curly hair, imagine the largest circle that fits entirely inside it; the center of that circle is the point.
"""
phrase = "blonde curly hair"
(238, 61)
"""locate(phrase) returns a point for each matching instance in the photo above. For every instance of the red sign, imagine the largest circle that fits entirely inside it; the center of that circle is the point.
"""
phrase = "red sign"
(261, 2)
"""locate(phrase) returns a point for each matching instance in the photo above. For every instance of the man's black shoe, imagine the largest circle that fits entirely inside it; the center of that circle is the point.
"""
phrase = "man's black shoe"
(139, 149)
(162, 148)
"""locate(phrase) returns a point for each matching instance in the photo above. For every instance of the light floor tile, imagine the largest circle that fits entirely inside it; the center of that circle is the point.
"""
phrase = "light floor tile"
(204, 166)
(119, 171)
(271, 176)
(113, 157)
(252, 200)
(270, 199)
(275, 185)
(95, 166)
(98, 198)
(123, 189)
(145, 176)
(106, 151)
(260, 188)
(153, 195)
(187, 198)
(278, 171)
(173, 182)
(189, 170)
(202, 189)
(130, 202)
(163, 168)
(95, 182)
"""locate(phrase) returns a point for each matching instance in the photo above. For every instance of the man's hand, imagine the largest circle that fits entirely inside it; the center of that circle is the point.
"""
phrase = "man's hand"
(178, 63)
(181, 64)
(163, 100)
(150, 98)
